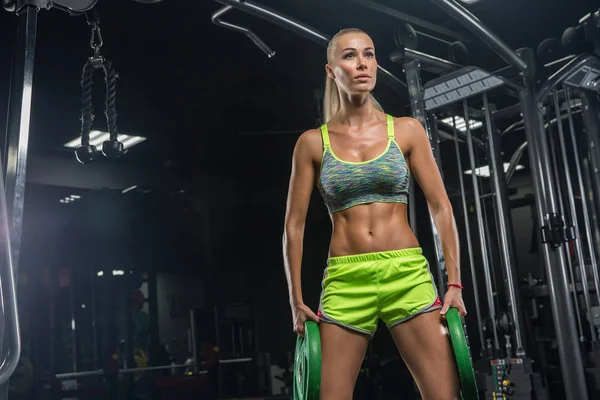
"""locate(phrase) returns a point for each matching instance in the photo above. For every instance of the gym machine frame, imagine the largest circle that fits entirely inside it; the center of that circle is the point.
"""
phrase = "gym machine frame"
(563, 315)
(15, 156)
(546, 203)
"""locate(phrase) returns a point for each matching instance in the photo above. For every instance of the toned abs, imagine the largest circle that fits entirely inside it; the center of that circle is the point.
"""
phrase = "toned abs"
(371, 228)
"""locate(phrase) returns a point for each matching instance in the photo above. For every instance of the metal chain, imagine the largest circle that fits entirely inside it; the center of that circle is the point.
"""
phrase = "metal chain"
(96, 40)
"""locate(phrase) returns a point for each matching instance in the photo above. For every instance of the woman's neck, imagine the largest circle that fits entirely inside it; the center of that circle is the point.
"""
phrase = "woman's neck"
(356, 111)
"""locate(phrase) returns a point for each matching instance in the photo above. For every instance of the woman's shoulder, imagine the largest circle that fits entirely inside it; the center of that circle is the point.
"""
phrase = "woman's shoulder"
(406, 122)
(310, 141)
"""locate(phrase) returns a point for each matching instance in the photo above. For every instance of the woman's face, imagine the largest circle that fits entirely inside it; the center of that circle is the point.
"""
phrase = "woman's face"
(353, 64)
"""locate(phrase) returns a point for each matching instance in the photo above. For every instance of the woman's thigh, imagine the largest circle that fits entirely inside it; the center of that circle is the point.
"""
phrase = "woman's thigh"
(342, 354)
(424, 345)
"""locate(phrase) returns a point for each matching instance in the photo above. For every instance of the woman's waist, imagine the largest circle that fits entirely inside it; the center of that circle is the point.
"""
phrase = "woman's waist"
(366, 240)
(405, 253)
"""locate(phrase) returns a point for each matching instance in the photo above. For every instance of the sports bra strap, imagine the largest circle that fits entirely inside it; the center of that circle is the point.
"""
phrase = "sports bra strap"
(325, 135)
(390, 127)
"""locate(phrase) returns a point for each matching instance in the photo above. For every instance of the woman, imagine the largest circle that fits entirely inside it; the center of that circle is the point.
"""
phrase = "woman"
(361, 160)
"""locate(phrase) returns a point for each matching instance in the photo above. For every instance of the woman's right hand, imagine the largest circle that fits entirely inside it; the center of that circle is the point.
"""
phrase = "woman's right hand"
(302, 313)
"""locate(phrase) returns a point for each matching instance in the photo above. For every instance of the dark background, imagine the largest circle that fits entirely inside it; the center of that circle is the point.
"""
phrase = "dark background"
(221, 120)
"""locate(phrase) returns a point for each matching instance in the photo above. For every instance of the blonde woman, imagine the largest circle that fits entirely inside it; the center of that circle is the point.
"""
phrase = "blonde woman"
(361, 160)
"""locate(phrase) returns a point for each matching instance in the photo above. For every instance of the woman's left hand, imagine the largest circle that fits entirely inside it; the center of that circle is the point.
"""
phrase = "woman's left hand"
(453, 299)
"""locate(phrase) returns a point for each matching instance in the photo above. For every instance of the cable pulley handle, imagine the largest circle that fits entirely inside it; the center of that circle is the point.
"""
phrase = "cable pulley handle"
(111, 148)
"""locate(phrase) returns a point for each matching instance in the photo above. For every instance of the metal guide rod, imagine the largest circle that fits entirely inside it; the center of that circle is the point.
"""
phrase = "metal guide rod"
(463, 197)
(573, 211)
(472, 23)
(590, 112)
(504, 225)
(417, 105)
(303, 30)
(553, 255)
(584, 204)
(412, 207)
(482, 236)
(565, 244)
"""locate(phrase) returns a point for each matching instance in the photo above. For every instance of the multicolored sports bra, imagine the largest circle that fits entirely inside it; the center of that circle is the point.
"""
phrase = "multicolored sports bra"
(383, 179)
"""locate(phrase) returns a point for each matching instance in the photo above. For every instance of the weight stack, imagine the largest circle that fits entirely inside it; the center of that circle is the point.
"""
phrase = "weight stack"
(513, 378)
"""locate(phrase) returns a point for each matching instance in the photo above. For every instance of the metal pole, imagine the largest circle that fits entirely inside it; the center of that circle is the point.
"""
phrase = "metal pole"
(17, 141)
(550, 221)
(590, 199)
(74, 336)
(412, 206)
(17, 130)
(154, 328)
(303, 30)
(417, 106)
(463, 197)
(584, 204)
(482, 238)
(590, 112)
(561, 208)
(573, 211)
(194, 337)
(428, 62)
(93, 311)
(472, 23)
(504, 224)
(392, 12)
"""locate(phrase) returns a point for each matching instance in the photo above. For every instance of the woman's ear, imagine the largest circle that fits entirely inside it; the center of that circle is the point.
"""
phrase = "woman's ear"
(329, 71)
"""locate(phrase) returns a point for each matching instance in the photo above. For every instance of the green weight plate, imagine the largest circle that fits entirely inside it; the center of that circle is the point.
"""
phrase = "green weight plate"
(307, 363)
(468, 384)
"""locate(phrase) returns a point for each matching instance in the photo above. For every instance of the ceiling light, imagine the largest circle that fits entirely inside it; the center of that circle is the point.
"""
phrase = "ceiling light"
(100, 273)
(99, 137)
(70, 199)
(461, 125)
(129, 189)
(118, 272)
(485, 170)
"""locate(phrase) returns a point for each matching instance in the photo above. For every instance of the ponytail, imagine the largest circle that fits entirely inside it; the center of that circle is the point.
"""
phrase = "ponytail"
(331, 100)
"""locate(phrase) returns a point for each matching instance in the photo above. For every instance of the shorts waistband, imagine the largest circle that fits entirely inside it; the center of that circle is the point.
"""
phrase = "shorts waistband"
(381, 255)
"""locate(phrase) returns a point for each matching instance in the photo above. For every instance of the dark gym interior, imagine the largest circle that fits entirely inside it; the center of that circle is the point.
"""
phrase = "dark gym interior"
(170, 256)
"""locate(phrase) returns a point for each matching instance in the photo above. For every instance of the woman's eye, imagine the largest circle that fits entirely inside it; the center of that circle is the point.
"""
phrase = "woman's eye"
(370, 54)
(348, 55)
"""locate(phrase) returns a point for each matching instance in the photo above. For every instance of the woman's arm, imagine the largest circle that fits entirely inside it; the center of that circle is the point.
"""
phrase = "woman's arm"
(427, 174)
(300, 189)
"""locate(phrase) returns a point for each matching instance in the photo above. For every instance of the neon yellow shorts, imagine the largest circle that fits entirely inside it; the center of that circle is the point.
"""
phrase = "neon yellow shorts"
(360, 289)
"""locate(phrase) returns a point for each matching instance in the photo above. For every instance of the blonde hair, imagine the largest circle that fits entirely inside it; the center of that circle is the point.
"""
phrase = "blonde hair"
(331, 98)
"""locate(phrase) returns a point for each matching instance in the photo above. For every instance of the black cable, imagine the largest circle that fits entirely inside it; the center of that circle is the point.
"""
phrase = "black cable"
(111, 99)
(87, 114)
